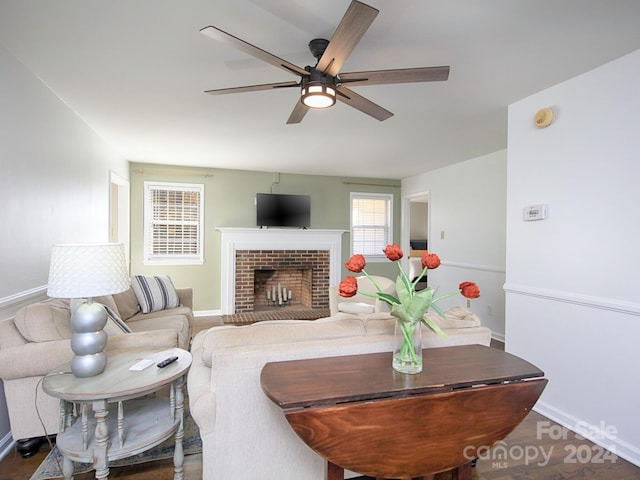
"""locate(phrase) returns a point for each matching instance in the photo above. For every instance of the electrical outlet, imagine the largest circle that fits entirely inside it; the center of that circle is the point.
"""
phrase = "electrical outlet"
(468, 303)
(442, 235)
(490, 310)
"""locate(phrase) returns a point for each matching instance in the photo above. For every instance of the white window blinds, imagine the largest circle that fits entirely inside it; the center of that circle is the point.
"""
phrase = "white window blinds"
(371, 229)
(173, 222)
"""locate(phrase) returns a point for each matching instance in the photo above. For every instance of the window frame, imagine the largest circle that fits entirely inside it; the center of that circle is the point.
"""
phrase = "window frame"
(150, 258)
(371, 257)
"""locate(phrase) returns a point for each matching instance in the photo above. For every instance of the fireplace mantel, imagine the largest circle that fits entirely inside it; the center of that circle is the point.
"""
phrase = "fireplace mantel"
(232, 239)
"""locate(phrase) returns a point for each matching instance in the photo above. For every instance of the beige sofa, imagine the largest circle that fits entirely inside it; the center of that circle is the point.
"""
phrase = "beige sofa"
(37, 339)
(244, 434)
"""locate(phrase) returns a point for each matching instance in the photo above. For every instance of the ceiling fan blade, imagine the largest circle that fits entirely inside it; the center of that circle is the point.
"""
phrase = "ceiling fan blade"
(352, 27)
(358, 102)
(252, 88)
(298, 113)
(402, 75)
(217, 34)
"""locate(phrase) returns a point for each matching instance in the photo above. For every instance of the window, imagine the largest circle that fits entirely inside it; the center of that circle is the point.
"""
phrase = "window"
(371, 226)
(173, 223)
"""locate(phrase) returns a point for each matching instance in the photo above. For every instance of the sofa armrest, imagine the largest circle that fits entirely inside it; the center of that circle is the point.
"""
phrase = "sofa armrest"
(186, 297)
(33, 359)
(37, 359)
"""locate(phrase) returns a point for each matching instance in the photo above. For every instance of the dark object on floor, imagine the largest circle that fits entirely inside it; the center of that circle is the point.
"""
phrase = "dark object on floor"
(28, 447)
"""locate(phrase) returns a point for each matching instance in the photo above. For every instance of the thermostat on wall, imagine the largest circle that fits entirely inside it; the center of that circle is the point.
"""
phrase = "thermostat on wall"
(534, 212)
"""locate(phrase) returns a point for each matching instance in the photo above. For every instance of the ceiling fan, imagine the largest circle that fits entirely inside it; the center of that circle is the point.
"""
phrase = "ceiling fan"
(323, 84)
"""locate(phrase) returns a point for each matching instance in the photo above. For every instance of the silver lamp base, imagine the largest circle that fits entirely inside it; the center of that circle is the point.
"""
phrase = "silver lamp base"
(89, 339)
(84, 366)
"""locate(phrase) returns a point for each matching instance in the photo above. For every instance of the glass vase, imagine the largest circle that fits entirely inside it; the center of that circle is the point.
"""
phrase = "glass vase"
(407, 347)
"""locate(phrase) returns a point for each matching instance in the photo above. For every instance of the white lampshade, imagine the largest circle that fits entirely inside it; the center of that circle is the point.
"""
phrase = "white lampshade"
(87, 270)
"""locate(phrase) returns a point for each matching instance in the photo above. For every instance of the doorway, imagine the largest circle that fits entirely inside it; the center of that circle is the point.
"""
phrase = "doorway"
(416, 233)
(119, 211)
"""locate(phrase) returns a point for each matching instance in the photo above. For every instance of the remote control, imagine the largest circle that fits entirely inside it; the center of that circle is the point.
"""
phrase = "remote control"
(167, 361)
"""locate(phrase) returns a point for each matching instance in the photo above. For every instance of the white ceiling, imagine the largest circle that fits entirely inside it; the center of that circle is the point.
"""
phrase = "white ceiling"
(135, 70)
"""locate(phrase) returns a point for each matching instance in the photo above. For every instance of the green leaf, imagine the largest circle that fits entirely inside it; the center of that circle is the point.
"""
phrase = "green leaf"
(404, 292)
(418, 306)
(438, 310)
(390, 299)
(399, 311)
(426, 293)
(412, 310)
(433, 326)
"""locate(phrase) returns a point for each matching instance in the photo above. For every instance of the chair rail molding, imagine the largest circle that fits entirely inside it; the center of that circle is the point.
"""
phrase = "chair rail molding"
(11, 304)
(627, 308)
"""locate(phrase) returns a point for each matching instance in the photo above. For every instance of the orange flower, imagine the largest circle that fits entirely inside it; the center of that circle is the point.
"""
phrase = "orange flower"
(348, 287)
(430, 260)
(356, 263)
(469, 290)
(393, 252)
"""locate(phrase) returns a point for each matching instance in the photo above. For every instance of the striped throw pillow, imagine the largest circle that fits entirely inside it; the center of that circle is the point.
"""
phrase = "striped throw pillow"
(154, 292)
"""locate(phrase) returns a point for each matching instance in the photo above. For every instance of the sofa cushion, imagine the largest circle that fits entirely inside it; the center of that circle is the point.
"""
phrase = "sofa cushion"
(127, 303)
(176, 322)
(186, 311)
(455, 318)
(281, 331)
(154, 292)
(44, 321)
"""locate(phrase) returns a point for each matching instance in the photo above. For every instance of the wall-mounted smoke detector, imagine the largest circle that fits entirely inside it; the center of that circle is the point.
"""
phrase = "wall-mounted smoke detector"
(543, 118)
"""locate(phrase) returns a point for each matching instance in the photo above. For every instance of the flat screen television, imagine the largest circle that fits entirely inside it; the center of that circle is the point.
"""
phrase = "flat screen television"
(282, 210)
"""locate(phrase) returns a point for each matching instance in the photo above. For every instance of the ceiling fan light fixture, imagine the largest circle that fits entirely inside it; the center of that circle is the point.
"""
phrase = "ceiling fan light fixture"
(318, 95)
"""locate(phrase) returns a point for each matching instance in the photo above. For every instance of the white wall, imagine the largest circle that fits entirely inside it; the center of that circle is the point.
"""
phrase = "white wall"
(467, 203)
(54, 183)
(572, 300)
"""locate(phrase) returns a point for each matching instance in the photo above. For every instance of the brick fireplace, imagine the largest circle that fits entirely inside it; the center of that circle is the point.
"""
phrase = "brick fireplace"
(305, 261)
(261, 275)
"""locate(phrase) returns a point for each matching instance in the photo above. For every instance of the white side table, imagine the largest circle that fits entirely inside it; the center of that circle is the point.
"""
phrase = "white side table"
(126, 419)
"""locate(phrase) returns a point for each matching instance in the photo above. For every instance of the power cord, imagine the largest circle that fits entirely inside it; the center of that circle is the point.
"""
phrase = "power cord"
(44, 428)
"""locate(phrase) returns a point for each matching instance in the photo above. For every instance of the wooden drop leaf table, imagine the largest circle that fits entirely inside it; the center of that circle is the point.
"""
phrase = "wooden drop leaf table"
(361, 415)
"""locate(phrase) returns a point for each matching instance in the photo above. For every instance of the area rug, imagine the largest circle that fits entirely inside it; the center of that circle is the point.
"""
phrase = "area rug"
(192, 444)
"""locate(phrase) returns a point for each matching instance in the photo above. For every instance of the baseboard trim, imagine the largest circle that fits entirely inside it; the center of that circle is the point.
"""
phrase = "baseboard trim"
(7, 445)
(208, 313)
(593, 433)
(498, 336)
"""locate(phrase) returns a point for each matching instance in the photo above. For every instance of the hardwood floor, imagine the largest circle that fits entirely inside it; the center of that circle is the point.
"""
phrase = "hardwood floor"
(528, 455)
(527, 458)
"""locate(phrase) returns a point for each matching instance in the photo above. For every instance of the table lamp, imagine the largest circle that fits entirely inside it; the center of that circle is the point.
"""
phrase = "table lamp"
(84, 271)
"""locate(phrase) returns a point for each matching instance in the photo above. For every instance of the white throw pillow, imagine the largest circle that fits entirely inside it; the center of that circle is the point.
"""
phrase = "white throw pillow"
(355, 308)
(155, 292)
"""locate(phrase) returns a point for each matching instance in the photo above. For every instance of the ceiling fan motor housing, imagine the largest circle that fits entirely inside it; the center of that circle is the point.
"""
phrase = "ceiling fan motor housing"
(317, 46)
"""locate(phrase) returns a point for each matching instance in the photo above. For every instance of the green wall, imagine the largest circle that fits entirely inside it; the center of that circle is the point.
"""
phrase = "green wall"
(230, 202)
